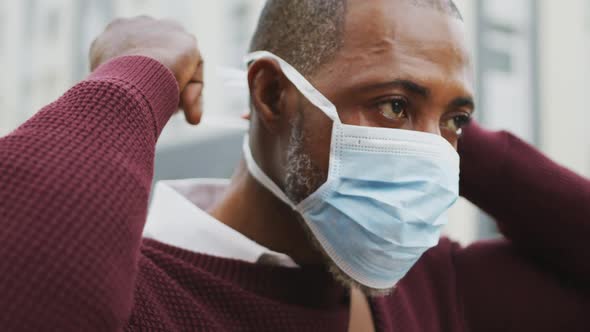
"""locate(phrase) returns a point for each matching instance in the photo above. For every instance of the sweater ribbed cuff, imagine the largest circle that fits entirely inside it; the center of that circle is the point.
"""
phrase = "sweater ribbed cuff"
(152, 79)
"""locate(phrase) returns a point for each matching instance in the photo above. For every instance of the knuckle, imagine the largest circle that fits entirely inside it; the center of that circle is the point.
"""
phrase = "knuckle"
(94, 60)
(190, 40)
(93, 45)
(115, 22)
(94, 50)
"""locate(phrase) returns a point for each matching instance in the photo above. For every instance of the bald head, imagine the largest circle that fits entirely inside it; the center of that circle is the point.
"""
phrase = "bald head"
(308, 33)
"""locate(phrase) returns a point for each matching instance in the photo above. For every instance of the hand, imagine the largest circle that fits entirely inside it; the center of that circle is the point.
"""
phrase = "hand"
(163, 40)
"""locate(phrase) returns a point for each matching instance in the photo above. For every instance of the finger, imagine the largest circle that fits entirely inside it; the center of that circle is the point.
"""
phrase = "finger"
(198, 75)
(191, 96)
(190, 70)
(114, 22)
(94, 55)
(191, 102)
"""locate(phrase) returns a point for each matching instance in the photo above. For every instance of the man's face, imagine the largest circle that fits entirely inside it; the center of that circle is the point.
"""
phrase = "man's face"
(401, 66)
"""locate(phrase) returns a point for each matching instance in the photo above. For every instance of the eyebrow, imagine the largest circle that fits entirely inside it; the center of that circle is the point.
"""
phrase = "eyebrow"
(406, 85)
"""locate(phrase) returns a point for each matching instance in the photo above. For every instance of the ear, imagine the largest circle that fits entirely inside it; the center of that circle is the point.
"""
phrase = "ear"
(267, 86)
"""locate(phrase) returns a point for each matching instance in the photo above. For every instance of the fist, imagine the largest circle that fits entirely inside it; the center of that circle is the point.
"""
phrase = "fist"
(165, 41)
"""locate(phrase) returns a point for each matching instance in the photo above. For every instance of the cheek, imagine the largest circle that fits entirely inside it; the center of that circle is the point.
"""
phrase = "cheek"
(356, 116)
(317, 139)
(451, 138)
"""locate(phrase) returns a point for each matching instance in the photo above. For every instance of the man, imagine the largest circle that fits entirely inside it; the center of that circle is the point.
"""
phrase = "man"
(76, 180)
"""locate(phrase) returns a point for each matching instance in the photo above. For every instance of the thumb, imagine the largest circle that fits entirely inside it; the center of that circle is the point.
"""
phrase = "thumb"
(191, 102)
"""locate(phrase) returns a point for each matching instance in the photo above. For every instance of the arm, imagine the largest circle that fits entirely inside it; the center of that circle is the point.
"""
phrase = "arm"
(542, 208)
(75, 181)
(75, 185)
(535, 280)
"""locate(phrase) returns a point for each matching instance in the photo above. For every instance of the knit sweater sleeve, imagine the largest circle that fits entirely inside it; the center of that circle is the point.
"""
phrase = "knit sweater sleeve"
(538, 272)
(541, 207)
(74, 187)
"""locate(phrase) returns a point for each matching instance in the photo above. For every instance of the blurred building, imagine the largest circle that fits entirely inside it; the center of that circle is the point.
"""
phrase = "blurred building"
(531, 59)
(44, 43)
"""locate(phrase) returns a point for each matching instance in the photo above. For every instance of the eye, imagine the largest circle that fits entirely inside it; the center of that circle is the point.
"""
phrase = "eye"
(456, 123)
(394, 109)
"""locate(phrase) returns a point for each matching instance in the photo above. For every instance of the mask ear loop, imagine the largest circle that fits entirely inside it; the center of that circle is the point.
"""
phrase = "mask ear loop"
(259, 175)
(302, 84)
(311, 93)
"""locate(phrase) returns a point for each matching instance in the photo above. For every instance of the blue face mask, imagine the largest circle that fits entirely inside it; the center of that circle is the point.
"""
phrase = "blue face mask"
(386, 197)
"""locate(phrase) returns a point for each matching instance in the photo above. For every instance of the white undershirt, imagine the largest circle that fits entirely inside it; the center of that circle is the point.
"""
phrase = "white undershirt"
(178, 217)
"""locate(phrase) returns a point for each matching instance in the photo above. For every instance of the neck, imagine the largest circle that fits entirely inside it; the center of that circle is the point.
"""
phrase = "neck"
(255, 212)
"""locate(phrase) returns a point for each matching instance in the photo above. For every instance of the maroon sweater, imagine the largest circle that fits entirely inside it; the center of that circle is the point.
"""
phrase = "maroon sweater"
(74, 187)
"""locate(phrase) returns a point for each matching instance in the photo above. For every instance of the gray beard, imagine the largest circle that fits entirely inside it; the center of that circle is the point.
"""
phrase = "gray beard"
(302, 179)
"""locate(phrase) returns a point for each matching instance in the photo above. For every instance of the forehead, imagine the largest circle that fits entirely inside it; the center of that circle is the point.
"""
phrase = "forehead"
(397, 38)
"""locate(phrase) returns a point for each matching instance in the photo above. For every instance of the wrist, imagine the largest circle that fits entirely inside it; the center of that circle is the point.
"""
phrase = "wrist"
(151, 80)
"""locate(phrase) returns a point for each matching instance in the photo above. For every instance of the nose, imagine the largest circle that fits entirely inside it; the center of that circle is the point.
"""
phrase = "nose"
(431, 126)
